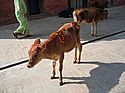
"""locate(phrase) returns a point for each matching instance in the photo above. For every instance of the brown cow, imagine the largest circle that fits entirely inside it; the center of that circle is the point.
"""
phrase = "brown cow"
(59, 42)
(90, 15)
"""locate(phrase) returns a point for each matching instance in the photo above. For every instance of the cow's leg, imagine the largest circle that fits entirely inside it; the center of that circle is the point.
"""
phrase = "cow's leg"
(53, 70)
(74, 16)
(80, 49)
(75, 59)
(60, 68)
(94, 28)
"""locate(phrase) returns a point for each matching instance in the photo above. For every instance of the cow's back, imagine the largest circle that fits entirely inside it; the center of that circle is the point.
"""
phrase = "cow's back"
(70, 34)
(85, 14)
(65, 41)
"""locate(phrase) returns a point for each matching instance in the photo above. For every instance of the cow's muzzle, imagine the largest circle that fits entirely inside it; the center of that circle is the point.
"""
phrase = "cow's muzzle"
(29, 65)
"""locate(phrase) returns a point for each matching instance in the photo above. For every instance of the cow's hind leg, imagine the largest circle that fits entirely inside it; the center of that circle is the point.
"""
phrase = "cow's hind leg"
(53, 70)
(95, 28)
(60, 68)
(80, 50)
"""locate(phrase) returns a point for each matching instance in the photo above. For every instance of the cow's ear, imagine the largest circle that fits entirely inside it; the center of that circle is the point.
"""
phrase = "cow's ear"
(37, 41)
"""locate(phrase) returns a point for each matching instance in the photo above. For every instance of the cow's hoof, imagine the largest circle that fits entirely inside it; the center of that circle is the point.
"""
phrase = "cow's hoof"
(94, 34)
(74, 61)
(61, 83)
(52, 77)
(78, 62)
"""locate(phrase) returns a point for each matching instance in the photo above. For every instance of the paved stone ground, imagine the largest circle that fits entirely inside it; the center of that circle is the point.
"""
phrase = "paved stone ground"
(102, 68)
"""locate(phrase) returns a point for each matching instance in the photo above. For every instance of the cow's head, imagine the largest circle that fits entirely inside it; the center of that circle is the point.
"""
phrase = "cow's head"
(35, 53)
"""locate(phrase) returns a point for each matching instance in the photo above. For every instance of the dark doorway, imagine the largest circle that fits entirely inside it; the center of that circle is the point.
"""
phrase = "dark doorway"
(34, 6)
(77, 3)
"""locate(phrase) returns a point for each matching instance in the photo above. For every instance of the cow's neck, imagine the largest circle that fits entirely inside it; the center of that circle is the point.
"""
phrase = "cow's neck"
(49, 50)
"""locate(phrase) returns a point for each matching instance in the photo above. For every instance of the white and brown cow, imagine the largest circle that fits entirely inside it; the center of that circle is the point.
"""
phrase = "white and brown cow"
(90, 15)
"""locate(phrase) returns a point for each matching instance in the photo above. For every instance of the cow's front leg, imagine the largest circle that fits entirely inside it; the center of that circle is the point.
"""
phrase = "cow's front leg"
(60, 68)
(79, 48)
(75, 17)
(75, 59)
(53, 70)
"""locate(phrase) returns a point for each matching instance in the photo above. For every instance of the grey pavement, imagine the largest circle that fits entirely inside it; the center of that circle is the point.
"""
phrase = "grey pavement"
(102, 67)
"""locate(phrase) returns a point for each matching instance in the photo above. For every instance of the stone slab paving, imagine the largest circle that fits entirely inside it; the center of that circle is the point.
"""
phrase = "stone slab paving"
(102, 70)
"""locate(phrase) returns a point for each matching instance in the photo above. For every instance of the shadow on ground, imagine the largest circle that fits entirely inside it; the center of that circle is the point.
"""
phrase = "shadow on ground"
(102, 79)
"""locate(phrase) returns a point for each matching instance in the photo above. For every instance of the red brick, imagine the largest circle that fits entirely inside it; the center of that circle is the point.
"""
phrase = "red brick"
(6, 12)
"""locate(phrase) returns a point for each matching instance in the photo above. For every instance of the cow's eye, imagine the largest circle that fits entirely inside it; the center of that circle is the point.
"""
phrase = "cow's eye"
(36, 55)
